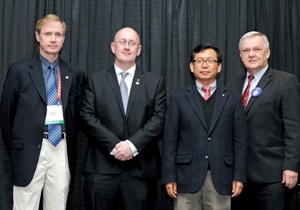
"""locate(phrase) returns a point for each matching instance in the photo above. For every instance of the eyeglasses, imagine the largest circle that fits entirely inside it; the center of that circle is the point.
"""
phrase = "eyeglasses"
(209, 62)
(124, 43)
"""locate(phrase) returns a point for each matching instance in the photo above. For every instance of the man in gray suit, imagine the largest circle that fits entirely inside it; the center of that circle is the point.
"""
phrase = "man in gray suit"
(273, 117)
(205, 139)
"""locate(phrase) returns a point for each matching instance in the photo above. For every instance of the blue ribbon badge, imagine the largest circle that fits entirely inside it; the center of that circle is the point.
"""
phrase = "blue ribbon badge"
(256, 92)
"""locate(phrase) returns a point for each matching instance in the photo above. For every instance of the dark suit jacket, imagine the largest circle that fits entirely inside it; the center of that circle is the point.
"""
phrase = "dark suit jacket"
(273, 120)
(105, 123)
(189, 143)
(23, 112)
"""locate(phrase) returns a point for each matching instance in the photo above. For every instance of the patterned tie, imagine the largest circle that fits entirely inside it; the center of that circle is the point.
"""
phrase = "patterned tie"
(246, 93)
(54, 131)
(206, 89)
(124, 90)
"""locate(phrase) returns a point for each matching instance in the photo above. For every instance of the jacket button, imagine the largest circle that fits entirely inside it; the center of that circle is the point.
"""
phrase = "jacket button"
(209, 139)
(206, 156)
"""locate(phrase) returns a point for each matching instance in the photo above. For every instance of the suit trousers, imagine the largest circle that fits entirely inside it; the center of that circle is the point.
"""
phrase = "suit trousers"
(52, 176)
(271, 196)
(119, 191)
(207, 198)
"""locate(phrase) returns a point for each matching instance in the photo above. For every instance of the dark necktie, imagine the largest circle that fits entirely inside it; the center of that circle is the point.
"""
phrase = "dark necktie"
(124, 90)
(54, 131)
(246, 93)
(206, 89)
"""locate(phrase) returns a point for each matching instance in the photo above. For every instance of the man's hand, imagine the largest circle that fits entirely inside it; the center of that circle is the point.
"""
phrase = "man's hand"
(171, 188)
(123, 151)
(289, 178)
(237, 188)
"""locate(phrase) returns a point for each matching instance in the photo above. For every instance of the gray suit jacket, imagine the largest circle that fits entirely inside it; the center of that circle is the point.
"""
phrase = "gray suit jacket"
(273, 120)
(189, 143)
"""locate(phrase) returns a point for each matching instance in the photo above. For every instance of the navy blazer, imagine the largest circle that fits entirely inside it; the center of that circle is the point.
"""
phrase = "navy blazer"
(190, 144)
(273, 120)
(105, 123)
(23, 111)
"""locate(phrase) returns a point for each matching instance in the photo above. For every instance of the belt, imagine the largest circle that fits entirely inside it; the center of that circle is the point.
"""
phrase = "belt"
(63, 135)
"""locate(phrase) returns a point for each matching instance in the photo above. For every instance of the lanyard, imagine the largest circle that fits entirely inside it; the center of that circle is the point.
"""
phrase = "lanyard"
(59, 86)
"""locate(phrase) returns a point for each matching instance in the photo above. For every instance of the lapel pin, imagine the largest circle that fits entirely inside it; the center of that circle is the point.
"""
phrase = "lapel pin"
(256, 92)
(137, 82)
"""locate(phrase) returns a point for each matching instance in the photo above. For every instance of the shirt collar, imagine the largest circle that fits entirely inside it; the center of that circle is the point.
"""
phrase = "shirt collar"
(131, 70)
(258, 75)
(212, 85)
(46, 63)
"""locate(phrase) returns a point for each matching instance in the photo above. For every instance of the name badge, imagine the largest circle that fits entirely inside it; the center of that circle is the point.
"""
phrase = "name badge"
(54, 115)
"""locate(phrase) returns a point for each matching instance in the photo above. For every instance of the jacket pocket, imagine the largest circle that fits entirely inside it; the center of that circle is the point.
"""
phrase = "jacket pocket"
(228, 160)
(184, 158)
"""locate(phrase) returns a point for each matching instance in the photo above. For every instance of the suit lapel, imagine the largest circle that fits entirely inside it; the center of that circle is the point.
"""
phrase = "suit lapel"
(193, 97)
(136, 84)
(266, 78)
(36, 74)
(113, 81)
(221, 98)
(66, 81)
(37, 77)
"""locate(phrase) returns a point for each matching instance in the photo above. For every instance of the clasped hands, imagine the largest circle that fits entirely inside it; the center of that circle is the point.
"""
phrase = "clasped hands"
(122, 151)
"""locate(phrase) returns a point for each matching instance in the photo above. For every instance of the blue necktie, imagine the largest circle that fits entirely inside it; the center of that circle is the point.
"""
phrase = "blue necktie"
(54, 131)
(124, 90)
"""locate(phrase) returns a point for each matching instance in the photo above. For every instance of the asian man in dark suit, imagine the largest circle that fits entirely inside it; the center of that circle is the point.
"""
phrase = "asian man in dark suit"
(42, 149)
(273, 116)
(205, 143)
(123, 112)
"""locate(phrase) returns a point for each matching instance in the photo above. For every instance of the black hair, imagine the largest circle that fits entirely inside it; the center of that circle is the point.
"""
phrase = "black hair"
(206, 46)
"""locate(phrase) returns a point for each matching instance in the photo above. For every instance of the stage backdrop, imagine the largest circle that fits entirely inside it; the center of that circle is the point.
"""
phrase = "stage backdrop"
(169, 30)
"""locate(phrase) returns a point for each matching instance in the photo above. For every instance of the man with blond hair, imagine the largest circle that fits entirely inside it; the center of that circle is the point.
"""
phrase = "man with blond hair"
(39, 111)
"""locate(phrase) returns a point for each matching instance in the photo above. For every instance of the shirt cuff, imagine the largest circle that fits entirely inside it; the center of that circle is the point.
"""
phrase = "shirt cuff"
(112, 152)
(133, 148)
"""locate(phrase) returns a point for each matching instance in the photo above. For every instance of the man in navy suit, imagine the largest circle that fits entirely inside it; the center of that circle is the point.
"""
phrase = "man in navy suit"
(273, 117)
(122, 163)
(38, 163)
(205, 139)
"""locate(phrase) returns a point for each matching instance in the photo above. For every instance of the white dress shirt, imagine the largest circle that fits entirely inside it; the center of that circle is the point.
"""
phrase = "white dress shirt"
(128, 80)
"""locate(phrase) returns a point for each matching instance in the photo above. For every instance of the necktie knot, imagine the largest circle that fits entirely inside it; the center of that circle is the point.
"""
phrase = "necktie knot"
(250, 78)
(52, 70)
(206, 89)
(124, 74)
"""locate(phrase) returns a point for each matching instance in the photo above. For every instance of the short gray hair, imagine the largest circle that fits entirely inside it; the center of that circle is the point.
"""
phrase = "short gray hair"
(253, 34)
